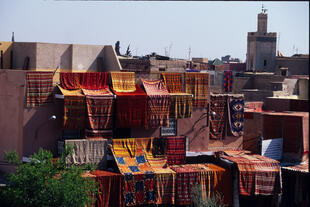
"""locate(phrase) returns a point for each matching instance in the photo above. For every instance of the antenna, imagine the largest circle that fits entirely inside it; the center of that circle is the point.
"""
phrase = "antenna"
(170, 46)
(189, 53)
(279, 41)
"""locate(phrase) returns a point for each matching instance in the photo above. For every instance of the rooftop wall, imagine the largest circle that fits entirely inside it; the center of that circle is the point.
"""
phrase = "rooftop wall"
(51, 56)
(65, 56)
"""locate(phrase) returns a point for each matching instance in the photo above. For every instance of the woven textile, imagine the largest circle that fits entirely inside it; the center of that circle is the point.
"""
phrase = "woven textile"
(227, 83)
(87, 151)
(139, 178)
(165, 177)
(186, 179)
(155, 151)
(89, 80)
(176, 150)
(131, 109)
(74, 109)
(236, 114)
(258, 175)
(181, 105)
(158, 101)
(123, 81)
(99, 113)
(109, 188)
(173, 82)
(217, 121)
(198, 85)
(205, 179)
(39, 88)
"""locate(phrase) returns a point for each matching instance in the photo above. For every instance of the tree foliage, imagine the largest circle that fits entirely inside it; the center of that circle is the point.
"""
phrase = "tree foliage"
(44, 182)
(198, 201)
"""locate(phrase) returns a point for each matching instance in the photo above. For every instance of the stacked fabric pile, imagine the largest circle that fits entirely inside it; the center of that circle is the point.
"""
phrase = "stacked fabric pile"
(92, 110)
(39, 88)
(139, 179)
(198, 85)
(258, 175)
(181, 103)
(131, 102)
(221, 106)
(158, 100)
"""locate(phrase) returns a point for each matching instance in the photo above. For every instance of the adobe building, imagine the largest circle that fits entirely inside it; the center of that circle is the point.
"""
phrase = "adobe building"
(37, 55)
(261, 47)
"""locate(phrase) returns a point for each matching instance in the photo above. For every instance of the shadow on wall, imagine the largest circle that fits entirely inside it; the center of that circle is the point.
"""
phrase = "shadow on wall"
(94, 66)
(66, 59)
(196, 130)
(39, 130)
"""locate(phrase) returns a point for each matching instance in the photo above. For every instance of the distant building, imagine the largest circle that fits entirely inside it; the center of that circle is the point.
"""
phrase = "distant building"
(298, 64)
(229, 59)
(261, 47)
(200, 60)
(217, 61)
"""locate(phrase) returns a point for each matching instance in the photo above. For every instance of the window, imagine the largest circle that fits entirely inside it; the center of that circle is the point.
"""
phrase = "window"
(265, 63)
(283, 72)
(162, 69)
(171, 130)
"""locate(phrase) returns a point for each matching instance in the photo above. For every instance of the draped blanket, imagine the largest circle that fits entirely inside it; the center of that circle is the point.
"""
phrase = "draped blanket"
(39, 88)
(158, 100)
(198, 85)
(176, 150)
(181, 105)
(154, 149)
(123, 81)
(173, 82)
(258, 175)
(227, 83)
(139, 179)
(89, 80)
(217, 121)
(236, 114)
(186, 179)
(99, 113)
(109, 188)
(131, 108)
(87, 151)
(74, 109)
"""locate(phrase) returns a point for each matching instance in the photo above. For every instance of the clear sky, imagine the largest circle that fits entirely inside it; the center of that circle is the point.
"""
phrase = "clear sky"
(210, 29)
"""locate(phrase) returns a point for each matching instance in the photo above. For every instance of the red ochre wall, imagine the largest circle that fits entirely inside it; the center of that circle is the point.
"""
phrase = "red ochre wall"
(19, 124)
